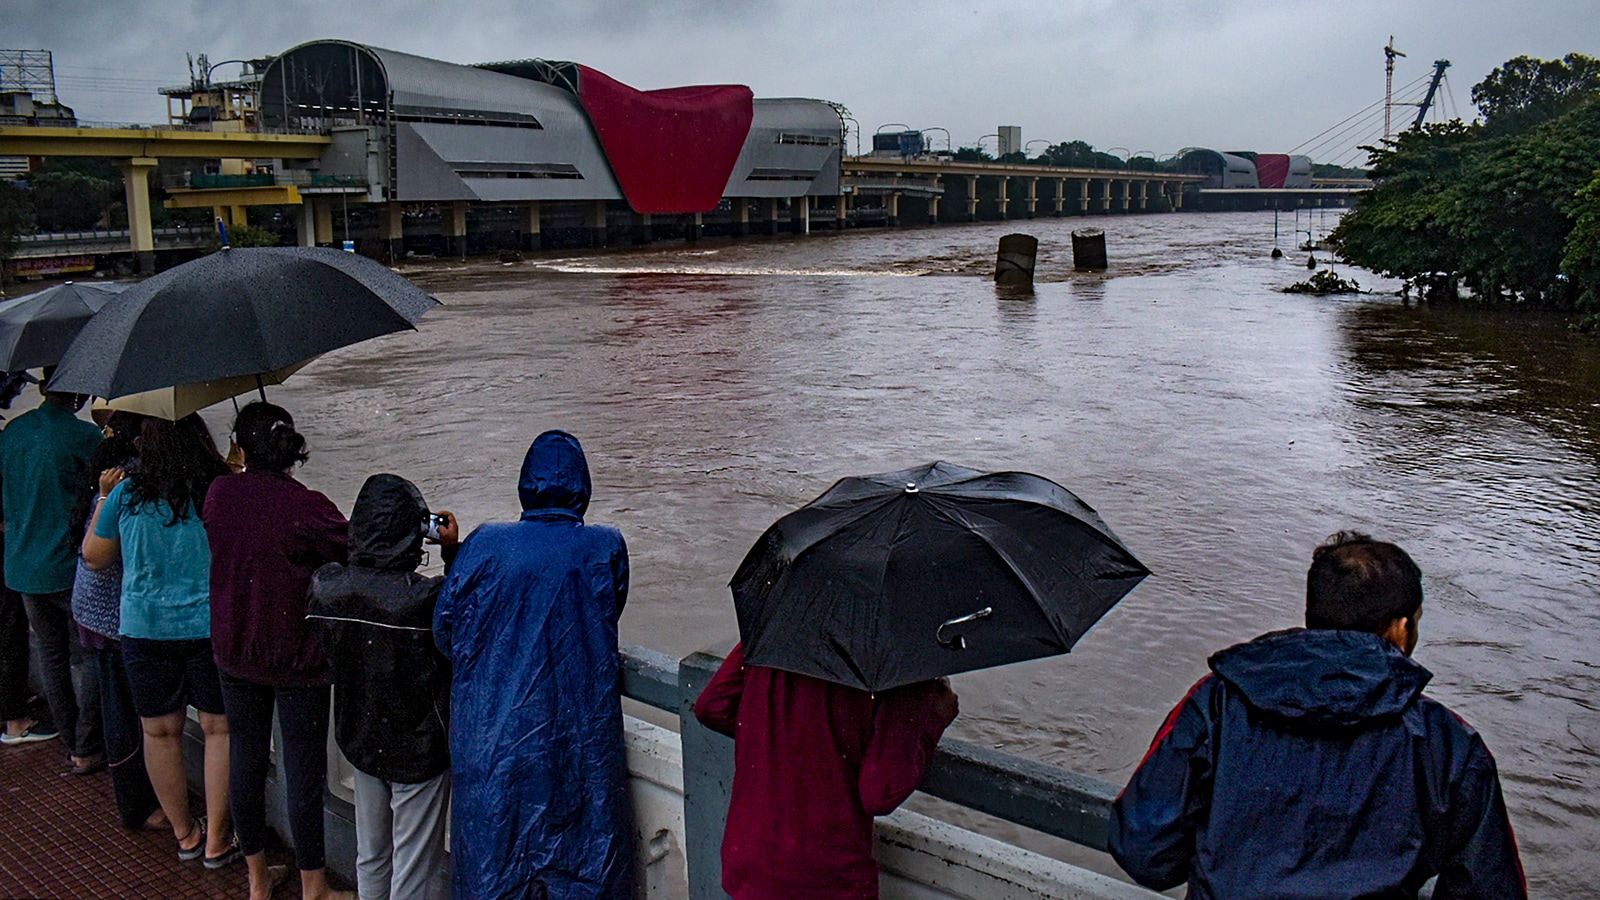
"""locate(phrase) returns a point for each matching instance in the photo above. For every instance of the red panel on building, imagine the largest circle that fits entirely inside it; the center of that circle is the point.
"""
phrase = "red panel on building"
(1272, 169)
(672, 150)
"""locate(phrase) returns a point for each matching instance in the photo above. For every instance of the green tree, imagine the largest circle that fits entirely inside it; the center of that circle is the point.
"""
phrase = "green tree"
(1581, 262)
(1524, 92)
(971, 154)
(68, 201)
(16, 219)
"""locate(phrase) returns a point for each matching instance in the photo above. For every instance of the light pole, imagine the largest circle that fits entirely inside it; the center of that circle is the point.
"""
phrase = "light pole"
(946, 136)
(1031, 143)
(1111, 151)
(996, 137)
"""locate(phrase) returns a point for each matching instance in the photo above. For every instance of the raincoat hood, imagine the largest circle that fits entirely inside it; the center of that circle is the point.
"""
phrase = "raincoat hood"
(555, 476)
(1322, 678)
(386, 524)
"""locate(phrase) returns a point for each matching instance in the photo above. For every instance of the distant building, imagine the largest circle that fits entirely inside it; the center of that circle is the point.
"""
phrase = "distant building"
(1246, 169)
(1010, 140)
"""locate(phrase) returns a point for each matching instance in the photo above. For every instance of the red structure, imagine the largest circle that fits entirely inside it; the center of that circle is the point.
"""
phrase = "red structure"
(672, 150)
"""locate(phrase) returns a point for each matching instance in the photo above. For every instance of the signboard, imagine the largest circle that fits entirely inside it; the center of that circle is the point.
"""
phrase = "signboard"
(50, 265)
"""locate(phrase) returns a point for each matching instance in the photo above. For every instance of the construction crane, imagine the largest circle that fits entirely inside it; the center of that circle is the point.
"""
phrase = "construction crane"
(1389, 54)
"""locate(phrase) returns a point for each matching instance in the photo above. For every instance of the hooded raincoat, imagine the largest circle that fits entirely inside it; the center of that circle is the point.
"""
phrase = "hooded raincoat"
(391, 686)
(1309, 764)
(528, 616)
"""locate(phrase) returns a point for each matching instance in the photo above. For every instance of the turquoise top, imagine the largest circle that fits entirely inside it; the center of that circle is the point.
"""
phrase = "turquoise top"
(42, 453)
(166, 568)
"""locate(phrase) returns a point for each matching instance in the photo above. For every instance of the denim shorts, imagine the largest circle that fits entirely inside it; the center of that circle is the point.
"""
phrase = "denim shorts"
(166, 676)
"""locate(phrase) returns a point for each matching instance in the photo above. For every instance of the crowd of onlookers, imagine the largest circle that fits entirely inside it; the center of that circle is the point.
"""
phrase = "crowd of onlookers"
(152, 574)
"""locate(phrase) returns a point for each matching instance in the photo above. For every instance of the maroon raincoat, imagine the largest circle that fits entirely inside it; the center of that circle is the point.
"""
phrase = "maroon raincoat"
(813, 763)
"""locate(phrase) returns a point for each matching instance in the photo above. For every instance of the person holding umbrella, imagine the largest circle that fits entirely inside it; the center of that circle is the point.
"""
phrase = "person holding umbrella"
(268, 533)
(150, 523)
(850, 611)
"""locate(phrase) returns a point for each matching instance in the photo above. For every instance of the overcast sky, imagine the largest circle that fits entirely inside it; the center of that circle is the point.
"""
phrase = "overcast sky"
(1134, 75)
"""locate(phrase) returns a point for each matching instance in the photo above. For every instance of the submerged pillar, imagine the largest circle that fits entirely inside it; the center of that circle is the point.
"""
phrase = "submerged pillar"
(532, 227)
(1083, 197)
(841, 211)
(741, 216)
(972, 198)
(392, 228)
(933, 209)
(692, 233)
(1061, 197)
(892, 207)
(305, 225)
(322, 220)
(1144, 189)
(136, 188)
(800, 214)
(1005, 196)
(455, 230)
(1177, 196)
(597, 223)
(1033, 196)
(772, 215)
(643, 228)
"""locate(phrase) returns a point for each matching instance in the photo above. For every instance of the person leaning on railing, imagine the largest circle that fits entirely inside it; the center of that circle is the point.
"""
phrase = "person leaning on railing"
(1310, 764)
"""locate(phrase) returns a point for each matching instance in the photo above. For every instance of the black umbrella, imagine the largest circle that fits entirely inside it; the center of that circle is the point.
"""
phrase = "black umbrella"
(35, 330)
(890, 579)
(237, 312)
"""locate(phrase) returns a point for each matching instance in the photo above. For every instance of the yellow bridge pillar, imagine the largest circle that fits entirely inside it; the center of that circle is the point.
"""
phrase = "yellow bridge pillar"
(322, 221)
(933, 209)
(136, 183)
(1061, 197)
(1083, 197)
(1033, 196)
(1144, 190)
(972, 198)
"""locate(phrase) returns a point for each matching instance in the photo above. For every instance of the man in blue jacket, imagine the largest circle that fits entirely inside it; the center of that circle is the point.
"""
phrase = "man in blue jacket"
(528, 617)
(1309, 764)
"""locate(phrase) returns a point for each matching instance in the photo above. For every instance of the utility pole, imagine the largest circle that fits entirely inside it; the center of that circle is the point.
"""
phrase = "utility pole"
(1389, 53)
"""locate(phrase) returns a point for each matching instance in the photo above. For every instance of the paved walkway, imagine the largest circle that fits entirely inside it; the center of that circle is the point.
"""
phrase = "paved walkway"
(60, 838)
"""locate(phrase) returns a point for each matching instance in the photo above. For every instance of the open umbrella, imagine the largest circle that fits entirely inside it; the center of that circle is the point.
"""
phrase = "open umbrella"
(237, 312)
(890, 579)
(173, 403)
(35, 330)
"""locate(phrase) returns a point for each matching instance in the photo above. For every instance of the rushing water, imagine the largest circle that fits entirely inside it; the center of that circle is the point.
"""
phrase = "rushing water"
(1220, 427)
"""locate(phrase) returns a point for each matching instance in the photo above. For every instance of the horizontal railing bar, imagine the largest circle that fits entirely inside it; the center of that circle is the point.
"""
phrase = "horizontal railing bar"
(1046, 798)
(651, 677)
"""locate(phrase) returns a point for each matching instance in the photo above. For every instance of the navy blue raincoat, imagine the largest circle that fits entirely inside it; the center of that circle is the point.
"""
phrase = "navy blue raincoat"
(528, 617)
(1310, 765)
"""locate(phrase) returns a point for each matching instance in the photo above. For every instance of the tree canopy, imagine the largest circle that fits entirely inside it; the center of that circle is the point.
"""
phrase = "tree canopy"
(1494, 205)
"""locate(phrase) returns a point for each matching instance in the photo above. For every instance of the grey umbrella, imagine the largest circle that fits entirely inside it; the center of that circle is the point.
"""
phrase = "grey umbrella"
(237, 312)
(35, 330)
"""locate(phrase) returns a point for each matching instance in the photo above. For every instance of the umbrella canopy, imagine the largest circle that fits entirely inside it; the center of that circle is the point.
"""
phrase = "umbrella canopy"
(890, 579)
(35, 330)
(244, 311)
(173, 403)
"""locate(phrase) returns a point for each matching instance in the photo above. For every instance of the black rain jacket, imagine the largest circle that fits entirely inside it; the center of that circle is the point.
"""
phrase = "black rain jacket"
(391, 685)
(1309, 764)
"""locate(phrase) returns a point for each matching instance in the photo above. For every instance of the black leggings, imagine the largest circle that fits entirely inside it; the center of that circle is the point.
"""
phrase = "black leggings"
(302, 758)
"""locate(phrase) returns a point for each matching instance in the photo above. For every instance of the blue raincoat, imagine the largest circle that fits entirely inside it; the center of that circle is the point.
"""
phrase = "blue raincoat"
(528, 617)
(1311, 765)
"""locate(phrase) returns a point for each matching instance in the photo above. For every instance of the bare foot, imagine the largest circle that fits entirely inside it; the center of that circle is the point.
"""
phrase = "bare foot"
(156, 821)
(276, 876)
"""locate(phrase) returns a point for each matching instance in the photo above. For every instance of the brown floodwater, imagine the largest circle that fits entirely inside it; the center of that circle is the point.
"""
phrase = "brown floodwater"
(1222, 428)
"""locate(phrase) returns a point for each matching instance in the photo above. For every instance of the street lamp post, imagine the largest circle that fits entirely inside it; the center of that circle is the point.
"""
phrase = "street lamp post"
(1031, 143)
(946, 136)
(996, 137)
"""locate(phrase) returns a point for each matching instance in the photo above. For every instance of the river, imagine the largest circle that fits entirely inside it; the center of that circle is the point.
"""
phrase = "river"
(1222, 428)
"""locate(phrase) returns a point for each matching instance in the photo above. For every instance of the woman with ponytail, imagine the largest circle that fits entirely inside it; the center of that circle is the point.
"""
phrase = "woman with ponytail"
(268, 533)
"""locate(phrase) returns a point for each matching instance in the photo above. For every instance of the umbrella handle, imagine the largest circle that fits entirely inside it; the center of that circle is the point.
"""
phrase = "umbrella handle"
(959, 642)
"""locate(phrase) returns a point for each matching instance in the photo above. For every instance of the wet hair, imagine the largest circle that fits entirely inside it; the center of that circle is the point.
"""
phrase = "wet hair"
(266, 434)
(177, 463)
(115, 452)
(1359, 584)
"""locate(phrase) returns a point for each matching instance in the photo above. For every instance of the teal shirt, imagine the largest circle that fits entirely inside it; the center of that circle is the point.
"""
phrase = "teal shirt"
(42, 455)
(166, 568)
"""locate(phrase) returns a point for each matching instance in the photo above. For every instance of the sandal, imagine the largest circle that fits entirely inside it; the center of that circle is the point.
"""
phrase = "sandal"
(198, 850)
(230, 855)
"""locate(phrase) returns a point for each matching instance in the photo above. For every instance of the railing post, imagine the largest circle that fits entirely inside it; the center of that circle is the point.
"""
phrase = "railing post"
(707, 782)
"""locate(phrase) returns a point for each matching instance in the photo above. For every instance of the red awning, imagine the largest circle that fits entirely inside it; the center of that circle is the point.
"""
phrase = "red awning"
(672, 150)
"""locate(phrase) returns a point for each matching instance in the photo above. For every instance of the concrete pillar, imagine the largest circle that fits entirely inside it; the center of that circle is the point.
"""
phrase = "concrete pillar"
(532, 227)
(933, 209)
(692, 233)
(455, 228)
(238, 215)
(772, 215)
(136, 185)
(322, 218)
(800, 213)
(841, 211)
(643, 228)
(1144, 189)
(597, 223)
(1033, 196)
(741, 219)
(1005, 196)
(305, 229)
(1177, 195)
(1127, 187)
(1083, 197)
(892, 205)
(392, 229)
(1061, 197)
(1105, 195)
(972, 198)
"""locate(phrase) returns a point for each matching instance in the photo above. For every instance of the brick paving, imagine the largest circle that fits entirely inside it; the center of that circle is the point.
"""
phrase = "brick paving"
(60, 840)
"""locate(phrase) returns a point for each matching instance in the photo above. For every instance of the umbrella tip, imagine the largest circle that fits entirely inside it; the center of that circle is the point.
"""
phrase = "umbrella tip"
(911, 487)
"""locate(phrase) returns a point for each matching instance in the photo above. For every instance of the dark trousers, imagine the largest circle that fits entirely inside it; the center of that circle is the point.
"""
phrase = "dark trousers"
(66, 672)
(302, 758)
(124, 738)
(14, 656)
